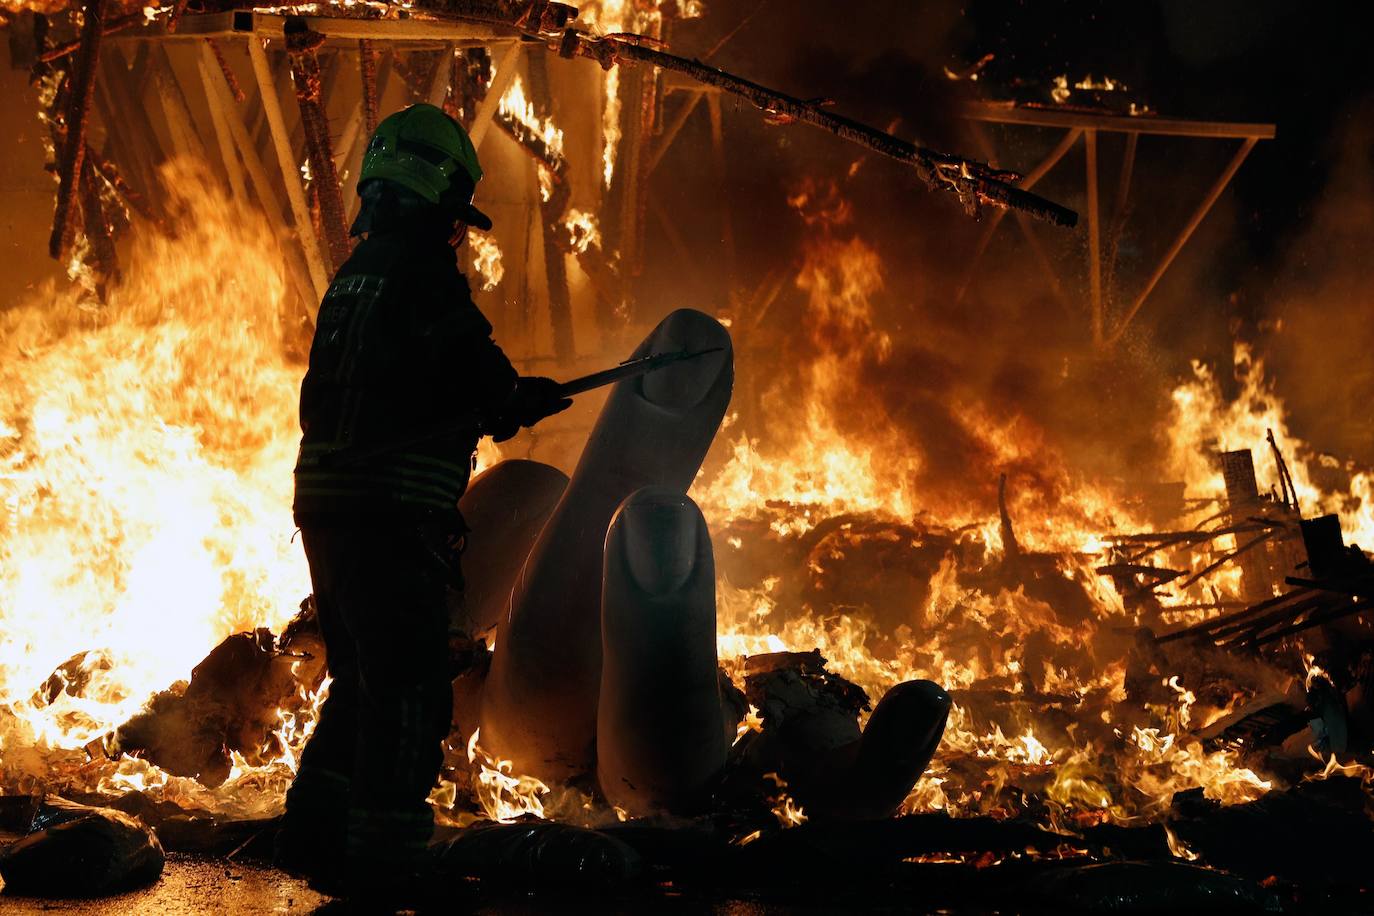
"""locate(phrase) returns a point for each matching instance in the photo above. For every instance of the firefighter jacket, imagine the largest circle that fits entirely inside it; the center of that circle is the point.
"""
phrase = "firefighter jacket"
(399, 348)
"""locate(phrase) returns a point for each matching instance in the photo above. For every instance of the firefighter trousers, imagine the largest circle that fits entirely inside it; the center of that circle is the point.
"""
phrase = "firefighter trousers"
(367, 770)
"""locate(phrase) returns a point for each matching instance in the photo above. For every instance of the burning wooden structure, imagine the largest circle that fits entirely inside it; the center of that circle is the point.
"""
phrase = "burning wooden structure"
(1131, 684)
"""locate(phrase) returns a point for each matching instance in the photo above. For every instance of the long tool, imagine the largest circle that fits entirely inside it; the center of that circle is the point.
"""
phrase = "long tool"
(476, 422)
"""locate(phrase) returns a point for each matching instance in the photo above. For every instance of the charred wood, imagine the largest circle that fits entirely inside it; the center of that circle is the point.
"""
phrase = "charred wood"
(77, 115)
(974, 183)
(301, 44)
(230, 80)
(367, 65)
(112, 27)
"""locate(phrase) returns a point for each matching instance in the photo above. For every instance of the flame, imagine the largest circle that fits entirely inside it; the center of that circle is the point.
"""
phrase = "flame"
(784, 807)
(516, 106)
(835, 477)
(145, 468)
(1177, 848)
(486, 260)
(583, 230)
(504, 796)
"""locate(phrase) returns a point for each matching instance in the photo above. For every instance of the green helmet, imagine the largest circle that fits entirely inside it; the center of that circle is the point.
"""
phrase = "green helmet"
(428, 152)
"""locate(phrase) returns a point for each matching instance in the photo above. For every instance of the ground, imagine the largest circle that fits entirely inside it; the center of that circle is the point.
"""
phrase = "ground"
(191, 886)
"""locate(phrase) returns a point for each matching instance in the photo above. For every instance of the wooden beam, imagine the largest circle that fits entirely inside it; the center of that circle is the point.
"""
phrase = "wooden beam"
(1186, 233)
(209, 72)
(236, 24)
(299, 279)
(1007, 113)
(130, 146)
(1065, 144)
(1094, 239)
(506, 69)
(1118, 221)
(185, 141)
(81, 95)
(974, 183)
(672, 129)
(290, 170)
(442, 83)
(301, 45)
(1023, 221)
(353, 165)
(718, 162)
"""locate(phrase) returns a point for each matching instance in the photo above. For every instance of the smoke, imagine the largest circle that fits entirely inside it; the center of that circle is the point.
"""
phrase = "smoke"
(956, 359)
(1317, 326)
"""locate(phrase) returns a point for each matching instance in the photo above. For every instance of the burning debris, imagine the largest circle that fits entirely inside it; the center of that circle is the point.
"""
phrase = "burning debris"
(74, 851)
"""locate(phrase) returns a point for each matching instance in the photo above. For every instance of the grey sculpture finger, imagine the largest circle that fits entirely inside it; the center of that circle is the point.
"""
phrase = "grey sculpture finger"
(660, 735)
(504, 507)
(870, 778)
(540, 700)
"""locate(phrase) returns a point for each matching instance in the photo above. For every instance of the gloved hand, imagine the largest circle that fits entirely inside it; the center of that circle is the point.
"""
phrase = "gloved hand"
(533, 399)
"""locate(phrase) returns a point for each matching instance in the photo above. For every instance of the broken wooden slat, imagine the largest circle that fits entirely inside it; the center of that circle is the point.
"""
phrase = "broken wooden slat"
(506, 69)
(305, 74)
(300, 280)
(553, 211)
(78, 111)
(442, 82)
(1186, 233)
(230, 79)
(367, 69)
(1065, 144)
(974, 182)
(220, 123)
(56, 52)
(291, 177)
(134, 200)
(672, 129)
(103, 260)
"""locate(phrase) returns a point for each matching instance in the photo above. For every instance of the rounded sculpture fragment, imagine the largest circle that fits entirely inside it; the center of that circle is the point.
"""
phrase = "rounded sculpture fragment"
(540, 700)
(660, 737)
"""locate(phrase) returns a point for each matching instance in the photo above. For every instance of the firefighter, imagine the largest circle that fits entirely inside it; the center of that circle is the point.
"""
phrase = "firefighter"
(399, 348)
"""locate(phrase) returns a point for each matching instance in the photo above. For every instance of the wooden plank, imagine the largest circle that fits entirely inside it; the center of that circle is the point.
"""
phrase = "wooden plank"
(994, 219)
(73, 156)
(672, 129)
(1006, 113)
(129, 147)
(1094, 239)
(209, 73)
(266, 25)
(185, 142)
(506, 69)
(353, 166)
(290, 171)
(1186, 233)
(1022, 219)
(718, 162)
(443, 77)
(266, 193)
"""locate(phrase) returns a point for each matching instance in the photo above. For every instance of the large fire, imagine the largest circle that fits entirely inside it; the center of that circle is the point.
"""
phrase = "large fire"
(145, 457)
